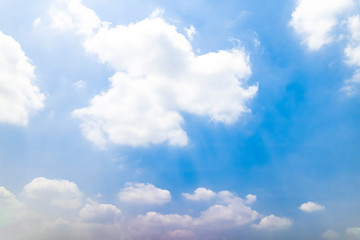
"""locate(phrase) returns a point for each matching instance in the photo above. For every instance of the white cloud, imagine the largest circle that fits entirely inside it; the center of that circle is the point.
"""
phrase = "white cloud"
(19, 96)
(99, 213)
(273, 223)
(330, 234)
(6, 196)
(69, 15)
(190, 32)
(156, 80)
(80, 84)
(314, 20)
(352, 51)
(21, 221)
(232, 212)
(154, 225)
(250, 198)
(144, 194)
(351, 86)
(352, 54)
(56, 193)
(200, 194)
(353, 232)
(10, 208)
(311, 207)
(156, 219)
(181, 234)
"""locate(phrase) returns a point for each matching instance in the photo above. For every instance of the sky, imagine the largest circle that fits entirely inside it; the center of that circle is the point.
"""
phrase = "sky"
(219, 120)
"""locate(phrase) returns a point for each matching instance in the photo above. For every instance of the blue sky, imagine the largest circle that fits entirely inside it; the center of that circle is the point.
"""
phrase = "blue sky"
(179, 120)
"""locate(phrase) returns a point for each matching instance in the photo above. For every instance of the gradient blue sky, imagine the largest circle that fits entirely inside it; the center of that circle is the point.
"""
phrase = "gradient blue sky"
(299, 141)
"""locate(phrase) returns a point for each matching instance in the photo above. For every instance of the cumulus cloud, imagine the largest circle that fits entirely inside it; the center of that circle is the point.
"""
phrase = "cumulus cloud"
(311, 207)
(6, 196)
(231, 211)
(10, 208)
(157, 219)
(273, 223)
(250, 198)
(19, 95)
(67, 15)
(19, 220)
(53, 192)
(234, 214)
(330, 234)
(99, 213)
(352, 54)
(144, 194)
(156, 80)
(200, 194)
(352, 51)
(155, 225)
(190, 32)
(353, 232)
(314, 20)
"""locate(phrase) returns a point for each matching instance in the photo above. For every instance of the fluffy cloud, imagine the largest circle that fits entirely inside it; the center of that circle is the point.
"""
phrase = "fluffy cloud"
(56, 193)
(273, 223)
(200, 194)
(315, 19)
(330, 234)
(99, 213)
(311, 207)
(250, 198)
(353, 232)
(231, 211)
(156, 219)
(19, 96)
(181, 234)
(352, 51)
(6, 197)
(156, 80)
(352, 54)
(19, 220)
(144, 194)
(69, 15)
(351, 86)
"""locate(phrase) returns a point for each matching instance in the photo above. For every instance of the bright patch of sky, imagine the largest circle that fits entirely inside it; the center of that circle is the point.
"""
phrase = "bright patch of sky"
(179, 119)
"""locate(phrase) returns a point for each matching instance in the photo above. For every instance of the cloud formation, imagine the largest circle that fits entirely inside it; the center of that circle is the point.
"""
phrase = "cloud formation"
(19, 95)
(30, 218)
(273, 223)
(352, 54)
(144, 194)
(314, 20)
(99, 213)
(311, 207)
(200, 194)
(330, 234)
(321, 22)
(353, 232)
(158, 77)
(55, 193)
(230, 211)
